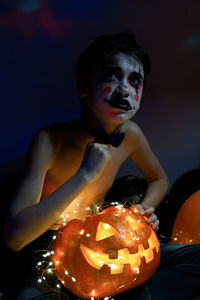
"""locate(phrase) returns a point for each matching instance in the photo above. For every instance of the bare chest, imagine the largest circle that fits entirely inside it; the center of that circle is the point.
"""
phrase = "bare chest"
(67, 164)
(69, 160)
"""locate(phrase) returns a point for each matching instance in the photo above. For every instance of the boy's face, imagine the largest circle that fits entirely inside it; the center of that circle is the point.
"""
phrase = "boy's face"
(115, 89)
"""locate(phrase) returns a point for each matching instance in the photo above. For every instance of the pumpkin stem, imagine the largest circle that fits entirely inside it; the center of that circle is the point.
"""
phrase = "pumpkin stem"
(94, 208)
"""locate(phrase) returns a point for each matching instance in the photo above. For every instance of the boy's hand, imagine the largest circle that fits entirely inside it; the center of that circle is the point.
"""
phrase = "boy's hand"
(148, 213)
(95, 159)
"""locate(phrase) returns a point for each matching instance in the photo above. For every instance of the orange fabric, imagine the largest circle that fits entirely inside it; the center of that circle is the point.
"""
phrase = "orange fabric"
(48, 188)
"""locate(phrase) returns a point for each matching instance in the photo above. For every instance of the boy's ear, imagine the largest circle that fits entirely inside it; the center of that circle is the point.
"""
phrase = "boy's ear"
(81, 87)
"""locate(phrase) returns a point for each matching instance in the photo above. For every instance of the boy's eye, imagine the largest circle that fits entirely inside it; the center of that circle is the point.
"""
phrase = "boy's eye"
(110, 76)
(135, 82)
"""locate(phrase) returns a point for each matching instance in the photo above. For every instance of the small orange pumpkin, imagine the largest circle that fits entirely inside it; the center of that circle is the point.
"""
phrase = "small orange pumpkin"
(186, 228)
(105, 254)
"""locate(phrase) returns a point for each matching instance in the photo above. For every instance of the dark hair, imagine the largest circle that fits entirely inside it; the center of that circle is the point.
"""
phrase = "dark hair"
(109, 45)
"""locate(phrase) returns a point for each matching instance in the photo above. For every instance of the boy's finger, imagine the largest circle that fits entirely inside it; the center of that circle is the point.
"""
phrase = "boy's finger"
(149, 211)
(152, 219)
(156, 225)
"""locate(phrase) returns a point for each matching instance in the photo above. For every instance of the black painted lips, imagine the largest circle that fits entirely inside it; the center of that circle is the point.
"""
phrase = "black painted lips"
(120, 103)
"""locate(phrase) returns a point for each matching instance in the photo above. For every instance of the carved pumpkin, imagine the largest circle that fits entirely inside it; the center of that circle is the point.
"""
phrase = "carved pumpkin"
(105, 254)
(186, 229)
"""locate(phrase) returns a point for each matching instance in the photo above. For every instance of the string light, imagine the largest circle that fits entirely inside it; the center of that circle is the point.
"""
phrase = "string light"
(46, 254)
(137, 270)
(73, 279)
(49, 270)
(82, 231)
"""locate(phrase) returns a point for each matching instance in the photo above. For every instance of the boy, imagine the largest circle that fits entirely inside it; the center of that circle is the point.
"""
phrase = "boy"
(70, 165)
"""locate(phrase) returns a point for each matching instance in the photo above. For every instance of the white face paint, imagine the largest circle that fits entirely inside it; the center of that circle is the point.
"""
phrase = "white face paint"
(116, 88)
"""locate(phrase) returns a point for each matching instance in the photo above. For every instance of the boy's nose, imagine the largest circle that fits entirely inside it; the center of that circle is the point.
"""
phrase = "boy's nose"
(123, 87)
(122, 93)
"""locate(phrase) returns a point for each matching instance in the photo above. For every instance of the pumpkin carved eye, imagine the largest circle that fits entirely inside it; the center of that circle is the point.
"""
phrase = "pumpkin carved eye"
(104, 230)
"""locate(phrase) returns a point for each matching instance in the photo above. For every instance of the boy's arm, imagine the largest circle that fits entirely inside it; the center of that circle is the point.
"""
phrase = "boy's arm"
(28, 218)
(153, 172)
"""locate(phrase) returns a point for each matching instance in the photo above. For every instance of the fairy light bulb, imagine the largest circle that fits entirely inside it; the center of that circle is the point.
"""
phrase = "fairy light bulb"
(49, 270)
(82, 231)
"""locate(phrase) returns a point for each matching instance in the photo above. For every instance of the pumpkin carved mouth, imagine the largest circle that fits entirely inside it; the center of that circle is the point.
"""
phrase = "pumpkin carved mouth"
(123, 257)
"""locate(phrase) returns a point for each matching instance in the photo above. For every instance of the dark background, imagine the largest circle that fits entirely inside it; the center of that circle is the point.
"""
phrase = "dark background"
(40, 41)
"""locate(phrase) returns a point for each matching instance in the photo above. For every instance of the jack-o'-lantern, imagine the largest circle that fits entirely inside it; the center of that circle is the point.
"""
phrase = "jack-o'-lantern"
(105, 254)
(186, 228)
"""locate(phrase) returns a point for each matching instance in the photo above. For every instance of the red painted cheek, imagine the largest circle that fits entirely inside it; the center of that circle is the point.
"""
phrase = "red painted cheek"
(108, 89)
(136, 98)
(109, 113)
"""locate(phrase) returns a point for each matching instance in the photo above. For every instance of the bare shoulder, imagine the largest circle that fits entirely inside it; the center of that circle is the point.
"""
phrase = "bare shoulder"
(132, 128)
(142, 154)
(50, 141)
(134, 133)
(40, 147)
(44, 145)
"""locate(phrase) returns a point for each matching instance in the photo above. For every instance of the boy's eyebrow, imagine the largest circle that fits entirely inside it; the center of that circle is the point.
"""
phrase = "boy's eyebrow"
(105, 67)
(116, 68)
(138, 74)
